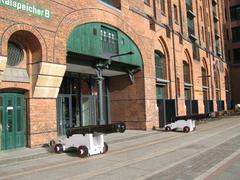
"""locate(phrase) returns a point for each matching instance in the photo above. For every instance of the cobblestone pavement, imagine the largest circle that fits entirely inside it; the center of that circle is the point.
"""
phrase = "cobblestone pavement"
(210, 152)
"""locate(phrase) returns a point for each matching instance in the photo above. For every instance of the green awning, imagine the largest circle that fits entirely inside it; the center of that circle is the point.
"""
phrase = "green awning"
(102, 41)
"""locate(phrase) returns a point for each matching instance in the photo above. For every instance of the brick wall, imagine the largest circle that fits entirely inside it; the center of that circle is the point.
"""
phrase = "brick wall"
(133, 103)
(41, 125)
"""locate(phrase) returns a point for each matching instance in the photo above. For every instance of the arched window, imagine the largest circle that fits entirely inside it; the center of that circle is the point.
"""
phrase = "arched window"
(187, 88)
(216, 77)
(160, 66)
(205, 90)
(163, 9)
(220, 103)
(15, 54)
(175, 13)
(186, 72)
(204, 77)
(227, 90)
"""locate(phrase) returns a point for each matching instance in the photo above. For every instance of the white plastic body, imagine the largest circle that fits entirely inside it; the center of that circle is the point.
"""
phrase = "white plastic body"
(180, 124)
(237, 107)
(94, 142)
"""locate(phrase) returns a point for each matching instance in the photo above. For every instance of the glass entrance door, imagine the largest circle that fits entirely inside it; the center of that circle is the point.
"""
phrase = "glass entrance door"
(89, 107)
(64, 112)
(11, 121)
(77, 102)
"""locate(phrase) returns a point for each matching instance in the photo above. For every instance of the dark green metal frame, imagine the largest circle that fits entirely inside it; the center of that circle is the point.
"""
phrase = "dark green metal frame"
(12, 127)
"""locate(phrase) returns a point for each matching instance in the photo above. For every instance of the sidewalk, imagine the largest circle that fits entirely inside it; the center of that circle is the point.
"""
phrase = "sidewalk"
(21, 154)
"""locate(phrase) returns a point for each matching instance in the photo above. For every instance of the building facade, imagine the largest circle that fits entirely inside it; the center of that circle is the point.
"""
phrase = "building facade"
(232, 45)
(77, 63)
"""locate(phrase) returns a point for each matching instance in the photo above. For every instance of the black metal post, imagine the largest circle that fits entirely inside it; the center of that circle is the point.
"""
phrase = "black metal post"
(100, 95)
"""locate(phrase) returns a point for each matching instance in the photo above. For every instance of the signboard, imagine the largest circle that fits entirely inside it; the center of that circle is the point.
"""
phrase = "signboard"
(22, 5)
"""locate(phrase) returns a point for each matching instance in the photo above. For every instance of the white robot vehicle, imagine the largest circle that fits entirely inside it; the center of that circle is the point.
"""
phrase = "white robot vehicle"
(181, 125)
(88, 140)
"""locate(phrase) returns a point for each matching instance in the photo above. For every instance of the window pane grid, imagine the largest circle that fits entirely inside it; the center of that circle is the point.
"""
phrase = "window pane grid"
(186, 72)
(109, 40)
(160, 66)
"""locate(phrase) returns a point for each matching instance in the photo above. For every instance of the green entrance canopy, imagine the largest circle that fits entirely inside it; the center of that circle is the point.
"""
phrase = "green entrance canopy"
(103, 42)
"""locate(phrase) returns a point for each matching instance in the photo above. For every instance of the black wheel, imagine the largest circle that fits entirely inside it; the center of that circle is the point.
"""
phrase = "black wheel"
(58, 148)
(105, 148)
(186, 129)
(82, 151)
(52, 143)
(167, 128)
(121, 127)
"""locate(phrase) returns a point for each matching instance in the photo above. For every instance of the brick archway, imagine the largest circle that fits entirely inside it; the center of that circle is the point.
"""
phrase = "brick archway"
(85, 16)
(22, 27)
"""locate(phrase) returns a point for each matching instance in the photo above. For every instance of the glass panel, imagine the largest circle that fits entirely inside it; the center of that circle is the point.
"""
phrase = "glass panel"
(110, 2)
(10, 101)
(15, 54)
(196, 54)
(75, 86)
(109, 40)
(235, 13)
(10, 121)
(236, 34)
(191, 29)
(66, 113)
(175, 13)
(236, 56)
(10, 114)
(186, 72)
(75, 111)
(189, 4)
(216, 77)
(204, 77)
(160, 92)
(86, 112)
(114, 3)
(187, 94)
(163, 6)
(19, 101)
(205, 94)
(65, 86)
(160, 66)
(19, 119)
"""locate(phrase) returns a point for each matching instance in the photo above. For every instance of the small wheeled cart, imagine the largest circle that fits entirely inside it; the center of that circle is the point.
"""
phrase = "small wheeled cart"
(88, 140)
(181, 125)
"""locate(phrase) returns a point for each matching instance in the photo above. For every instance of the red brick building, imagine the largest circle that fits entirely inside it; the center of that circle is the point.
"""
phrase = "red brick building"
(158, 59)
(232, 45)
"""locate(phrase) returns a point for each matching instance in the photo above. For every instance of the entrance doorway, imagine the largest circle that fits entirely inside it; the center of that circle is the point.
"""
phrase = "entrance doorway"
(77, 102)
(72, 113)
(11, 121)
